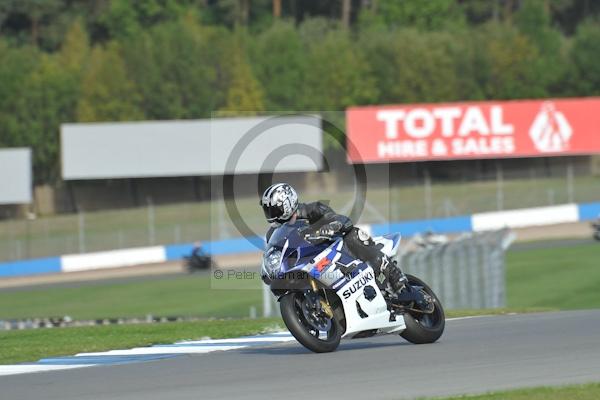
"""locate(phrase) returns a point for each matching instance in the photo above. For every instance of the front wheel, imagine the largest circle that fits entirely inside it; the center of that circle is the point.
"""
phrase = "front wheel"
(312, 329)
(424, 327)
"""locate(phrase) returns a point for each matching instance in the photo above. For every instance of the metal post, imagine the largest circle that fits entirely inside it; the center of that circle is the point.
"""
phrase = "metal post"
(428, 197)
(81, 231)
(18, 249)
(267, 302)
(151, 227)
(499, 187)
(445, 260)
(550, 197)
(177, 233)
(570, 186)
(223, 220)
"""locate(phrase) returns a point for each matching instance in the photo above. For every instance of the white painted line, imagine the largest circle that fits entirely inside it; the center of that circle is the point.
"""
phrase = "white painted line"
(469, 317)
(29, 368)
(163, 350)
(279, 338)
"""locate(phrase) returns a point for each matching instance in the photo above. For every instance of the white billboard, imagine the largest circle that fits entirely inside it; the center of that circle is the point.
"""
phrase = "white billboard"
(15, 176)
(188, 148)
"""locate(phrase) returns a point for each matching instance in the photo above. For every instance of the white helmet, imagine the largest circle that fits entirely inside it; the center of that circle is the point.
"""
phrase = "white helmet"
(279, 202)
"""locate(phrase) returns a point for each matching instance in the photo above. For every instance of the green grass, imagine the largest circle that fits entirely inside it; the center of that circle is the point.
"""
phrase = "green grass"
(573, 392)
(184, 295)
(31, 345)
(538, 279)
(561, 277)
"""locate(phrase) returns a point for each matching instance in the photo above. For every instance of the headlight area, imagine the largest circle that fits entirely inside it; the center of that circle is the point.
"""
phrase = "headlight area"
(271, 263)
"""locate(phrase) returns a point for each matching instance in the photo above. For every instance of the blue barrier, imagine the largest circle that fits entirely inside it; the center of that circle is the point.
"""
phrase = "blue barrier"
(464, 223)
(588, 211)
(217, 247)
(30, 267)
(438, 225)
(178, 251)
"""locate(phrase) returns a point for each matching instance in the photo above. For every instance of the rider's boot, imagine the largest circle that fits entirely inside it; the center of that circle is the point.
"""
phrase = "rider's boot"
(394, 275)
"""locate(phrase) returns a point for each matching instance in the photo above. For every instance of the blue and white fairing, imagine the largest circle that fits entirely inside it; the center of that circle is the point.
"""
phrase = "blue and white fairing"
(352, 279)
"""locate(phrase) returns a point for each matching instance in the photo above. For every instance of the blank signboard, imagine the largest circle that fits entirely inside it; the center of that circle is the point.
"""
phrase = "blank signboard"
(194, 147)
(15, 176)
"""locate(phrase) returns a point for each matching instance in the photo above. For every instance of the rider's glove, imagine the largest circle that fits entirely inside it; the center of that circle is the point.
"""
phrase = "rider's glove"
(330, 229)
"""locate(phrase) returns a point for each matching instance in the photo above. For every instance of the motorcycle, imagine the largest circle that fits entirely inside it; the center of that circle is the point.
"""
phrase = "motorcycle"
(596, 227)
(325, 294)
(198, 261)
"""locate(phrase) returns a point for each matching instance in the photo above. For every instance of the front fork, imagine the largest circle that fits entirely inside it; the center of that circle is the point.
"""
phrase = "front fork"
(318, 302)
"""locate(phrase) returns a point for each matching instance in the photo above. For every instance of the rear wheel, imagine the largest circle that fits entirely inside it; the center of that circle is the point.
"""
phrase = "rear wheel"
(312, 328)
(424, 325)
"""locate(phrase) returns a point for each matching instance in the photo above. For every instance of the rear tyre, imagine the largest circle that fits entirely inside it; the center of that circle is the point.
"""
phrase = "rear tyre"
(307, 332)
(424, 328)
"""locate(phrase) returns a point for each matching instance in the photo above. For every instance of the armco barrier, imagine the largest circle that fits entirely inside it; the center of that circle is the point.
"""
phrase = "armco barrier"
(589, 211)
(30, 267)
(411, 228)
(113, 258)
(526, 217)
(145, 255)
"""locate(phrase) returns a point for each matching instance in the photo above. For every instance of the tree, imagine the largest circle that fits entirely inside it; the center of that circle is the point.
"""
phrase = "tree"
(338, 74)
(422, 15)
(410, 66)
(125, 18)
(107, 93)
(16, 66)
(179, 68)
(243, 92)
(507, 63)
(584, 74)
(533, 21)
(35, 13)
(75, 48)
(278, 60)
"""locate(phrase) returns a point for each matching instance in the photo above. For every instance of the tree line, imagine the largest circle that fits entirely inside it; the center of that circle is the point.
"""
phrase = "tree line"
(101, 60)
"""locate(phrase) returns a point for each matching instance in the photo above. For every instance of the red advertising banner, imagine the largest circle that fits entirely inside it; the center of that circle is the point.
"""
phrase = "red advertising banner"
(473, 130)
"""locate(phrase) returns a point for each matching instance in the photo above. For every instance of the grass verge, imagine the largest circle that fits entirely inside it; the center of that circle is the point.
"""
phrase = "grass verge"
(31, 345)
(573, 392)
(537, 279)
(560, 277)
(184, 295)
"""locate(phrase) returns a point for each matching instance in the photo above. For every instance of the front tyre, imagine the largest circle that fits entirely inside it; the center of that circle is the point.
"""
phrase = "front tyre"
(422, 327)
(317, 333)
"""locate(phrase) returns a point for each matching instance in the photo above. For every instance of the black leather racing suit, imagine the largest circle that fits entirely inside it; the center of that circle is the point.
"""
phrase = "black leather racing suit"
(358, 243)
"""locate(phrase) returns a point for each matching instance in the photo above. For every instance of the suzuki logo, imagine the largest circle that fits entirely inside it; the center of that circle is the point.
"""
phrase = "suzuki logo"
(550, 130)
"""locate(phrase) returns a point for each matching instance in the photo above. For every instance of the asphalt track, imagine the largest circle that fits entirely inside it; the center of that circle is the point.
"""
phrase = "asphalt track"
(474, 355)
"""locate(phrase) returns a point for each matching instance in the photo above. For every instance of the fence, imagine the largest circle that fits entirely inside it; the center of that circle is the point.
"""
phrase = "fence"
(465, 273)
(188, 222)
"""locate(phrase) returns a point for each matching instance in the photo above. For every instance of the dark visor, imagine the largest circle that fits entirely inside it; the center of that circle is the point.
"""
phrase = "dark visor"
(272, 213)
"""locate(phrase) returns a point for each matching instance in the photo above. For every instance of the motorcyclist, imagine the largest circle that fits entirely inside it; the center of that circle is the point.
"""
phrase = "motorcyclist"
(280, 204)
(596, 227)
